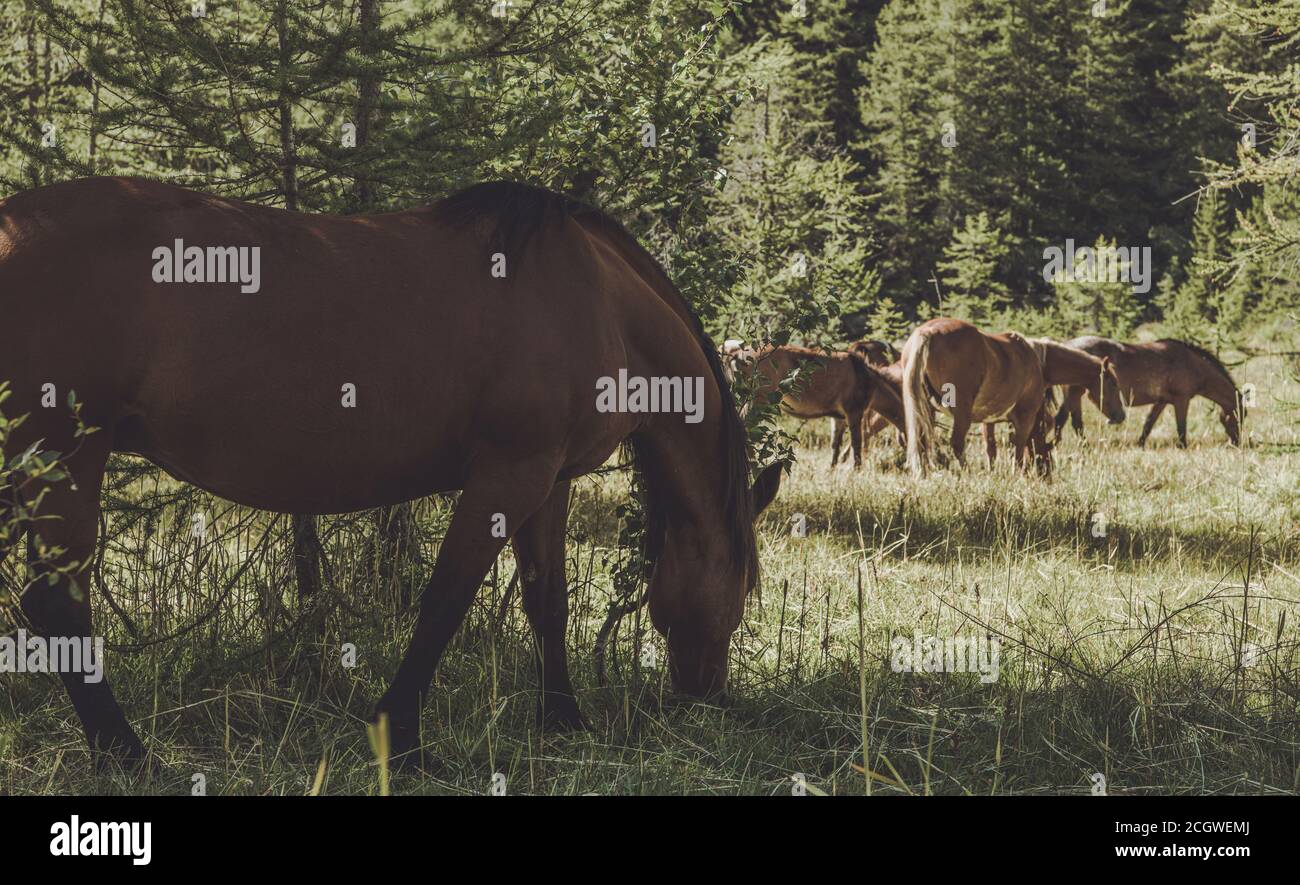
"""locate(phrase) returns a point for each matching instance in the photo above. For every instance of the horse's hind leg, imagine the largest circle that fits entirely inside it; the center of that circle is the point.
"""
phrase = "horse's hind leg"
(855, 436)
(68, 518)
(539, 551)
(960, 427)
(837, 439)
(501, 493)
(1029, 436)
(1150, 423)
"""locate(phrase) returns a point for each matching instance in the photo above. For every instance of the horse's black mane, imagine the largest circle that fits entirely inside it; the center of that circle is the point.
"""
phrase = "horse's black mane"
(516, 210)
(517, 213)
(1209, 357)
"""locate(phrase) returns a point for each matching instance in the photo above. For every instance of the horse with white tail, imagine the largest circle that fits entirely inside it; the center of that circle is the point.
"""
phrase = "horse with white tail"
(974, 377)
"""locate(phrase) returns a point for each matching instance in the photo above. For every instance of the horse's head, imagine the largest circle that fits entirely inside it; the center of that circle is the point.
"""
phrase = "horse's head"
(1105, 395)
(734, 354)
(876, 353)
(697, 596)
(1233, 419)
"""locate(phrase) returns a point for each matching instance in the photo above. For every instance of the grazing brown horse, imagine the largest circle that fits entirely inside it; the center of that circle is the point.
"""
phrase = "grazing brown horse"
(974, 377)
(1161, 373)
(1066, 365)
(362, 370)
(837, 384)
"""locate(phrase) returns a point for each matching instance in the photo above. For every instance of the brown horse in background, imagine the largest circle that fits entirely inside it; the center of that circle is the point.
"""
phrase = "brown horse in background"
(1161, 373)
(238, 392)
(1065, 365)
(974, 377)
(836, 384)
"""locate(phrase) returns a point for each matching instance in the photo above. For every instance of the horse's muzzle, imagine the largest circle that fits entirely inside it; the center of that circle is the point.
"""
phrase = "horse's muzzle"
(699, 672)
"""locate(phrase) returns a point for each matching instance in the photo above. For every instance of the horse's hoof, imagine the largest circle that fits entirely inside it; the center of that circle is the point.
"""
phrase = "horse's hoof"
(561, 717)
(408, 761)
(403, 740)
(117, 750)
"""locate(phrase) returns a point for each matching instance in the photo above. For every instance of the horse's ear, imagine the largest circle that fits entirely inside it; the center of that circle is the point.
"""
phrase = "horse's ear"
(765, 487)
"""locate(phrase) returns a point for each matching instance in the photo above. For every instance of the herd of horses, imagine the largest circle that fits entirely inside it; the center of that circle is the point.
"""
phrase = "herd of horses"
(979, 378)
(239, 393)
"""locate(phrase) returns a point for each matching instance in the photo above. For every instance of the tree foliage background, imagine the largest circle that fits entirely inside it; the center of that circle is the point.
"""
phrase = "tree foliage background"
(806, 170)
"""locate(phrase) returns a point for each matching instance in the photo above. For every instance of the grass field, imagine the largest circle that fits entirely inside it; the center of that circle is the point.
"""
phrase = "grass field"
(1159, 657)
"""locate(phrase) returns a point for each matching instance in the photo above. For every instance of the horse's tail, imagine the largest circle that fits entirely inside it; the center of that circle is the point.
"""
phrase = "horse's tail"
(916, 406)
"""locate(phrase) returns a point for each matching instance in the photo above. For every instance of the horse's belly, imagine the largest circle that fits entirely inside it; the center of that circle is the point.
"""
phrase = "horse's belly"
(803, 410)
(991, 410)
(320, 472)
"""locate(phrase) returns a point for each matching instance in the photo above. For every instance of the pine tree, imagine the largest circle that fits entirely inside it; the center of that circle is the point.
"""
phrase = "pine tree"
(789, 204)
(886, 321)
(1086, 306)
(1200, 308)
(1048, 115)
(970, 271)
(1261, 88)
(907, 110)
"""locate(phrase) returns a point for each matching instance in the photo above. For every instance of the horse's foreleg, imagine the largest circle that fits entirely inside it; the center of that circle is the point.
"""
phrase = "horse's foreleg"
(539, 552)
(306, 556)
(62, 609)
(499, 497)
(1029, 432)
(1150, 423)
(1180, 419)
(837, 438)
(991, 443)
(1063, 413)
(855, 436)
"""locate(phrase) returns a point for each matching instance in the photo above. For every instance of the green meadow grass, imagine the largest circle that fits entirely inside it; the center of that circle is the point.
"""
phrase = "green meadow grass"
(1160, 656)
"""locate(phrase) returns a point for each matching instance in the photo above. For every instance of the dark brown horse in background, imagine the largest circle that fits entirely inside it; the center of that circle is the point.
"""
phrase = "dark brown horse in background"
(1158, 374)
(1065, 365)
(837, 384)
(974, 377)
(239, 393)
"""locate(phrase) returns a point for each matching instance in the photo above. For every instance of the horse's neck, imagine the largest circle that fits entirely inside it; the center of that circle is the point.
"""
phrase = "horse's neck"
(1066, 365)
(1040, 350)
(1217, 388)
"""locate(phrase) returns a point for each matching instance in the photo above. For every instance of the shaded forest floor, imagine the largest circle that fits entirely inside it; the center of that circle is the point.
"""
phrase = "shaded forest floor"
(1160, 657)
